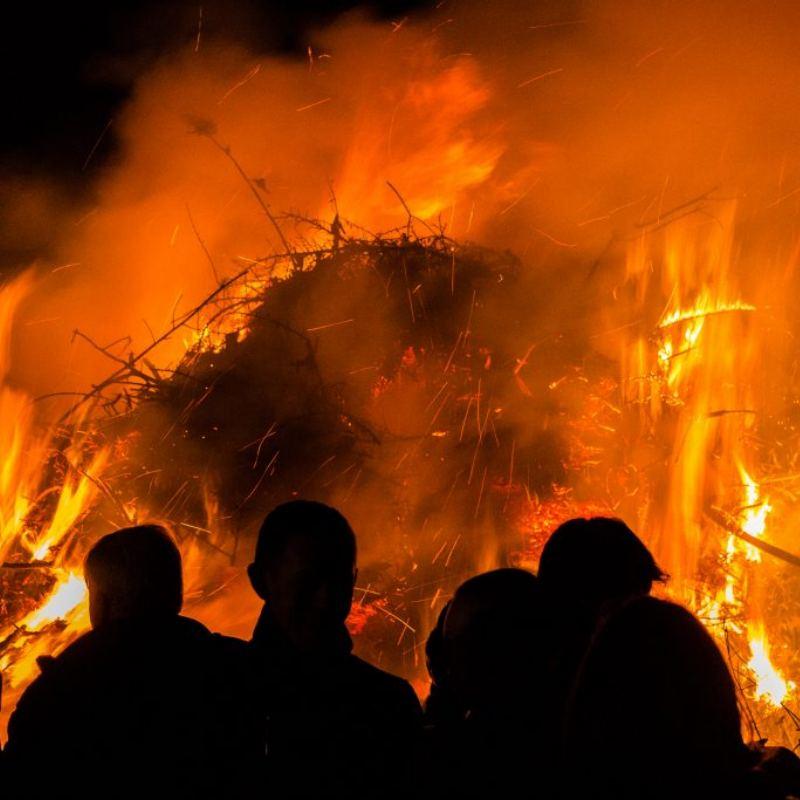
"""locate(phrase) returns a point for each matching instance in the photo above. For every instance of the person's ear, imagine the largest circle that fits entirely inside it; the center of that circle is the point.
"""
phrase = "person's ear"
(99, 607)
(256, 576)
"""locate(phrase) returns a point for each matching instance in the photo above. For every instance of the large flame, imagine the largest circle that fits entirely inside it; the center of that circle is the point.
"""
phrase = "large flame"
(38, 515)
(694, 376)
(570, 136)
(770, 685)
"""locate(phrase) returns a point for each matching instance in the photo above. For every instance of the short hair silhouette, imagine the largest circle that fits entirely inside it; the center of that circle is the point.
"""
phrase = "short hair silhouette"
(493, 601)
(305, 571)
(324, 526)
(492, 638)
(590, 562)
(134, 572)
(654, 702)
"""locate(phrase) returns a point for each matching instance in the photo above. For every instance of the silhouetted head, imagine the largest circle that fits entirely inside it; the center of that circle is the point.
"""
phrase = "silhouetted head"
(305, 570)
(654, 701)
(434, 648)
(442, 705)
(134, 573)
(495, 641)
(591, 564)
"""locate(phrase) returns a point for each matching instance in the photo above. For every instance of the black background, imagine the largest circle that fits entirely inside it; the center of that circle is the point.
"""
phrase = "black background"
(66, 67)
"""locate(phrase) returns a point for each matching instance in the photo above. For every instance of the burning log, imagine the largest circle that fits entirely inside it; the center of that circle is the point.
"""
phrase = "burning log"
(725, 521)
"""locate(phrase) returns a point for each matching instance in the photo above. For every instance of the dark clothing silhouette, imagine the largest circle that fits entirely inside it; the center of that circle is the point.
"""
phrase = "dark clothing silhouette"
(654, 715)
(778, 770)
(336, 725)
(136, 707)
(589, 567)
(494, 661)
(501, 757)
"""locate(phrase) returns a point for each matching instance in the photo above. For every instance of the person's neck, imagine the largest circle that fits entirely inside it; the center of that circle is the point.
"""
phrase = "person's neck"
(135, 621)
(268, 633)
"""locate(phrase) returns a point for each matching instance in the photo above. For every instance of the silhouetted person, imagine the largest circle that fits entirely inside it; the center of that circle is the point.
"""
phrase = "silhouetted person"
(441, 706)
(591, 564)
(497, 657)
(589, 567)
(335, 724)
(143, 704)
(655, 715)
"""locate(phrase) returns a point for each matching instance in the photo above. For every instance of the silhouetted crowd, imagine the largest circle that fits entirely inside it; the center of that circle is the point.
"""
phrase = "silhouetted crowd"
(573, 683)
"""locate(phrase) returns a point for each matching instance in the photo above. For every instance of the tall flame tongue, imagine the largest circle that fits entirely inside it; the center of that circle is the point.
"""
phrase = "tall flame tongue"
(695, 381)
(39, 508)
(770, 685)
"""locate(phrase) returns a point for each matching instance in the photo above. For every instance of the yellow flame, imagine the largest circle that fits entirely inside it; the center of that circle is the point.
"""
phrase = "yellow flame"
(30, 528)
(755, 513)
(704, 307)
(65, 598)
(77, 494)
(771, 686)
(23, 450)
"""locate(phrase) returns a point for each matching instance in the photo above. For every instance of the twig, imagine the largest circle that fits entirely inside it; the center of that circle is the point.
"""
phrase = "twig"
(112, 379)
(226, 150)
(725, 521)
(202, 244)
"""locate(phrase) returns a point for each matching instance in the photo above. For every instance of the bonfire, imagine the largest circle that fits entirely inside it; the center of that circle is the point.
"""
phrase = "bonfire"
(402, 376)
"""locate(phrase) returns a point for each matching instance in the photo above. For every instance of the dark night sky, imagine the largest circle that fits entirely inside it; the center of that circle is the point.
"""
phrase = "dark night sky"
(66, 67)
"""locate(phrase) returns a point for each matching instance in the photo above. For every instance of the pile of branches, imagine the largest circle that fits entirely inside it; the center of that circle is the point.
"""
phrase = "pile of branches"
(291, 354)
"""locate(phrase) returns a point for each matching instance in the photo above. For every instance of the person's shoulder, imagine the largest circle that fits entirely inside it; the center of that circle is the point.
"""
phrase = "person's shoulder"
(230, 643)
(778, 768)
(370, 672)
(216, 644)
(72, 659)
(231, 649)
(190, 627)
(236, 659)
(57, 680)
(382, 681)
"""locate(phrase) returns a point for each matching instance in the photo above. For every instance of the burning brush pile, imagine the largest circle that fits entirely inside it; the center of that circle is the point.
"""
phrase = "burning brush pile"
(362, 371)
(405, 378)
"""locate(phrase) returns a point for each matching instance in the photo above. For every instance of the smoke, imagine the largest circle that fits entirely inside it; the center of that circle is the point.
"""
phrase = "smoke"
(557, 131)
(554, 130)
(173, 215)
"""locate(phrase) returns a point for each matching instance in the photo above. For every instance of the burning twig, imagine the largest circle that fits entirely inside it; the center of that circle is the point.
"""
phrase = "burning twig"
(687, 208)
(125, 370)
(724, 520)
(731, 651)
(411, 217)
(208, 129)
(695, 314)
(202, 245)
